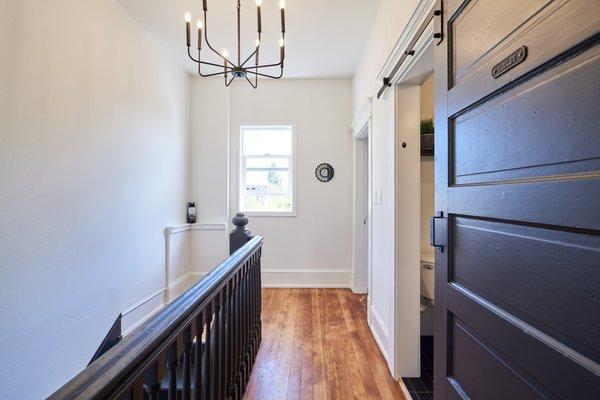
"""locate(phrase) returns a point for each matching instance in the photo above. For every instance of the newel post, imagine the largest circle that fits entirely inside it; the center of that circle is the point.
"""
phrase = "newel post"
(240, 235)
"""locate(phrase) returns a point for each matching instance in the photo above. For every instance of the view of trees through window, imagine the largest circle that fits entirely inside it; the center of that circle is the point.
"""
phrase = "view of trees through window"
(266, 158)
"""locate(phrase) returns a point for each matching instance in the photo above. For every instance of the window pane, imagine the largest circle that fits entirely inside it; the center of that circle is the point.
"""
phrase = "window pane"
(267, 182)
(275, 141)
(280, 203)
(267, 162)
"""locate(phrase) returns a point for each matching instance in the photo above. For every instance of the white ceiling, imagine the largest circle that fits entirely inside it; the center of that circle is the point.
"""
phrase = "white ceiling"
(324, 38)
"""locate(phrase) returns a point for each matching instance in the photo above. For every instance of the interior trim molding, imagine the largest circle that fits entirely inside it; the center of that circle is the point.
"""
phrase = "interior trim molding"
(141, 302)
(307, 278)
(361, 121)
(178, 281)
(380, 332)
(171, 230)
(421, 12)
(142, 320)
(405, 391)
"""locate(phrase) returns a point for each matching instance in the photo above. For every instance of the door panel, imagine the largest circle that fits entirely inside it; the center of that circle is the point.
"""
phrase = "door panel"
(518, 182)
(498, 140)
(471, 42)
(531, 272)
(481, 380)
(555, 29)
(545, 364)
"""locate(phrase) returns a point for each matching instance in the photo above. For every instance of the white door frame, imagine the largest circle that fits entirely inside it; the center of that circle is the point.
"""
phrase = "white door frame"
(361, 128)
(404, 335)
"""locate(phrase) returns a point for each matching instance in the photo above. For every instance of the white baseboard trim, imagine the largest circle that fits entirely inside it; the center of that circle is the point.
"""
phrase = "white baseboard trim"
(380, 332)
(141, 321)
(141, 302)
(144, 309)
(307, 278)
(178, 281)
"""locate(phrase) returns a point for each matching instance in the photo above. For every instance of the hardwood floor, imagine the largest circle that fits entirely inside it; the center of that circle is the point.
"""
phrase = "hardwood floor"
(317, 345)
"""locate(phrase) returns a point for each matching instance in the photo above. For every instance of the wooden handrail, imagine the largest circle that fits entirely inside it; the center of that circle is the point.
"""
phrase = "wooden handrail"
(219, 318)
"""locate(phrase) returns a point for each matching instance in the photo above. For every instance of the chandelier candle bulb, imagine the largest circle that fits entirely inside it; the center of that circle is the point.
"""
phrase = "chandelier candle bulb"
(258, 16)
(200, 34)
(188, 19)
(236, 68)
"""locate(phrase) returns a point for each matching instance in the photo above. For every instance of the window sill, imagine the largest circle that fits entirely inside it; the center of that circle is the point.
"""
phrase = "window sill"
(269, 214)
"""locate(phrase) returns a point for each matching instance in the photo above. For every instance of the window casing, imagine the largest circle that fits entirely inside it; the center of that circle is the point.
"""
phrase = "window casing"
(267, 154)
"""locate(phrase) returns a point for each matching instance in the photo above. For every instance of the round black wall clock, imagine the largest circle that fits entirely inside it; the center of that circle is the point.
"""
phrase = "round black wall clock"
(324, 172)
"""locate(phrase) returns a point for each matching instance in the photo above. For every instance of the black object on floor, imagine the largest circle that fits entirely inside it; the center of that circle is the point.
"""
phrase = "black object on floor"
(422, 388)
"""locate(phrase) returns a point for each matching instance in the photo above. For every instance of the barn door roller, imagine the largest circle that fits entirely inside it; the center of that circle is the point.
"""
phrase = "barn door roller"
(438, 35)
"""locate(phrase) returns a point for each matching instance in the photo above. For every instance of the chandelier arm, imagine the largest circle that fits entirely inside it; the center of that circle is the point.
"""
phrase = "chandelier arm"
(280, 63)
(250, 82)
(211, 74)
(265, 75)
(208, 43)
(249, 57)
(198, 61)
(229, 83)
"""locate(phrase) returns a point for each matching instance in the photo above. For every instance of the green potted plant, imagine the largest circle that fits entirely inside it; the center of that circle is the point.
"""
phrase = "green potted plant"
(427, 137)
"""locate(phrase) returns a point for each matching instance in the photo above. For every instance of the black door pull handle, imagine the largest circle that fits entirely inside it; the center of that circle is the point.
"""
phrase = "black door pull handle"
(432, 238)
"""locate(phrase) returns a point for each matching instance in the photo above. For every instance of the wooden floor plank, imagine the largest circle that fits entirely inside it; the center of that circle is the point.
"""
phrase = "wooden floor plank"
(317, 345)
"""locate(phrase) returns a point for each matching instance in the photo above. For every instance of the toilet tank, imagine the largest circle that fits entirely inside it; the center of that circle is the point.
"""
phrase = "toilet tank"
(427, 276)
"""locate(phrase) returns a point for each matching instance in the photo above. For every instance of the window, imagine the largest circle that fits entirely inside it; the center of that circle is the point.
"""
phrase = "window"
(267, 170)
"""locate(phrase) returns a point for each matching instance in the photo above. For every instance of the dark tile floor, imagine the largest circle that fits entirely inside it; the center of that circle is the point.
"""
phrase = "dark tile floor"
(422, 388)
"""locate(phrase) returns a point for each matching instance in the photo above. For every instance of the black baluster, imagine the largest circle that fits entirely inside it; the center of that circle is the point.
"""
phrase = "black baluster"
(245, 326)
(172, 371)
(228, 339)
(215, 350)
(223, 345)
(208, 353)
(232, 364)
(237, 337)
(152, 379)
(240, 349)
(135, 392)
(259, 295)
(254, 308)
(187, 363)
(198, 357)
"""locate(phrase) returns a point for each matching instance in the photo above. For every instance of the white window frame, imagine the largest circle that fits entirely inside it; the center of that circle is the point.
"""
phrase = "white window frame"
(292, 170)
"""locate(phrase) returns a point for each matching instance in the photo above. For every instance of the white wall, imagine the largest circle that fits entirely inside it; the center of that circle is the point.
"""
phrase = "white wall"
(389, 24)
(93, 166)
(394, 302)
(315, 247)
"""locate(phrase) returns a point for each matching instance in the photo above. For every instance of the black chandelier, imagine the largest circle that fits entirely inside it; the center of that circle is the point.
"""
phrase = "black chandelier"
(240, 69)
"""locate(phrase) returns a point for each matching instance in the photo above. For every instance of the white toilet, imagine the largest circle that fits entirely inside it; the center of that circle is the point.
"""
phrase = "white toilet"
(427, 278)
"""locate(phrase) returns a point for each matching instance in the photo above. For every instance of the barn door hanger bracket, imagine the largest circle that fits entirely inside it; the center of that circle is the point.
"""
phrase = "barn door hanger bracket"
(433, 232)
(438, 14)
(410, 49)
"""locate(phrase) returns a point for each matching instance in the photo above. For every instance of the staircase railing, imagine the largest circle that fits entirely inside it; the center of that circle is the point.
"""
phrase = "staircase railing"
(201, 346)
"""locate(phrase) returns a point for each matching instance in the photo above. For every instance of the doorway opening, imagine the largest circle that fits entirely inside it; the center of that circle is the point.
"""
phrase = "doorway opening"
(421, 387)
